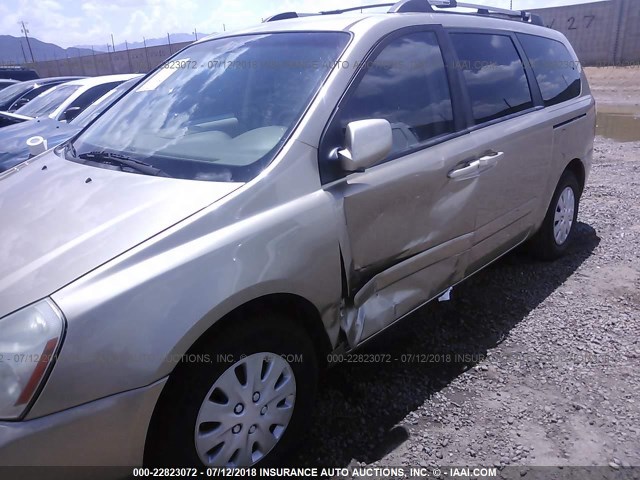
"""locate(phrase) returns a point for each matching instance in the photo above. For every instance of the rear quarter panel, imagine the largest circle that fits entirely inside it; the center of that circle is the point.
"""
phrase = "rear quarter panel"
(574, 124)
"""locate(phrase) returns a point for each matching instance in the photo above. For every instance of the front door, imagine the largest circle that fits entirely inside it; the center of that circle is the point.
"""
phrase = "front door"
(409, 221)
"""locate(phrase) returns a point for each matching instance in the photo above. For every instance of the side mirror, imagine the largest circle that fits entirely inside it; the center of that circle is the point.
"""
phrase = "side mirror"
(367, 142)
(70, 113)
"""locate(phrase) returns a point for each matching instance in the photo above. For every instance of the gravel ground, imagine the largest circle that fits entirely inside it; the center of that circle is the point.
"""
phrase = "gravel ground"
(530, 364)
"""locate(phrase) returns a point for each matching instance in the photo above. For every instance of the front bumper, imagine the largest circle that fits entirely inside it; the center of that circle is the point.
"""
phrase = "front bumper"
(106, 432)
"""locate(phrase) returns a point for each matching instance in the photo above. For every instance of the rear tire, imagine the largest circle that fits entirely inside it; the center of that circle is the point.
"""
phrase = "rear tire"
(558, 228)
(184, 432)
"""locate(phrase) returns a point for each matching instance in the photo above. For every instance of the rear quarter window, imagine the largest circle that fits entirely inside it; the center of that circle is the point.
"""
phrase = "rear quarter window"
(557, 72)
(494, 75)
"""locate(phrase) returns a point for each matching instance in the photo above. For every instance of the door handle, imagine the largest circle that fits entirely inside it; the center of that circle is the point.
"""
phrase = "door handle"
(468, 170)
(489, 160)
(472, 168)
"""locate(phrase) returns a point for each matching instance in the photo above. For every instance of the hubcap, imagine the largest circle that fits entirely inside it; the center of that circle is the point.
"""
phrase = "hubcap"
(246, 411)
(563, 220)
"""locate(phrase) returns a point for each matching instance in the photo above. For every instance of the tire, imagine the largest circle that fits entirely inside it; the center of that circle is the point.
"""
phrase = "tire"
(555, 236)
(173, 438)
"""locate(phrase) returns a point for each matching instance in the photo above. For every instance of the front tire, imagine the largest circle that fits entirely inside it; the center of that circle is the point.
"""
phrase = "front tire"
(558, 228)
(246, 400)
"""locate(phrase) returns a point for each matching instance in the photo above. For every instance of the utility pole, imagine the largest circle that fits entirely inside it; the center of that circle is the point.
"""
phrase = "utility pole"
(195, 32)
(126, 45)
(26, 36)
(95, 64)
(113, 43)
(146, 53)
(111, 58)
(224, 28)
(169, 40)
(23, 53)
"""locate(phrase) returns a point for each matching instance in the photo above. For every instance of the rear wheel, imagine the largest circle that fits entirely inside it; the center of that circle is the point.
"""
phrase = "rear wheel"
(558, 228)
(246, 401)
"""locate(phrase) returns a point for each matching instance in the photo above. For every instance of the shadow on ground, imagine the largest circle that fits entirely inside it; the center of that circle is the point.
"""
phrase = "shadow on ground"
(360, 404)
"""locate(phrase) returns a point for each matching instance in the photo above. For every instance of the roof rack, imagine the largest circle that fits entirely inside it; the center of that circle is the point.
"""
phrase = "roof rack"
(521, 15)
(426, 6)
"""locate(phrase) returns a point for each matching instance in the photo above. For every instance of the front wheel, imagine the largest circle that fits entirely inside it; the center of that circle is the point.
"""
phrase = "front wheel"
(558, 228)
(245, 402)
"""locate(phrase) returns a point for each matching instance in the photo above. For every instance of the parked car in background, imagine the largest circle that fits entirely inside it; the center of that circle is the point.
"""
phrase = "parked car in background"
(64, 102)
(7, 83)
(18, 73)
(13, 139)
(176, 275)
(15, 96)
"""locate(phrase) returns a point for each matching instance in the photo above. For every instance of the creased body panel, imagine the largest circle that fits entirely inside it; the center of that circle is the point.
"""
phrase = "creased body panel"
(407, 225)
(407, 206)
(400, 289)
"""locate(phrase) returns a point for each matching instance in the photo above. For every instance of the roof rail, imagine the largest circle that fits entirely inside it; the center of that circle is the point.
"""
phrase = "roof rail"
(426, 6)
(286, 15)
(402, 6)
(521, 15)
(353, 9)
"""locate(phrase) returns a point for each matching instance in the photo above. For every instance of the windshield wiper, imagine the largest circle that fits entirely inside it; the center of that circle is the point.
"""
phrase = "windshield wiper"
(117, 159)
(69, 146)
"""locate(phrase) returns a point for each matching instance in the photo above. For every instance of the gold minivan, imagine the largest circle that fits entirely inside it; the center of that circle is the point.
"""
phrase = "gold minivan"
(173, 278)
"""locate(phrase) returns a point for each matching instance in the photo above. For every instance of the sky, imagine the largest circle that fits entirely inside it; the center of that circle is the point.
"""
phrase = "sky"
(91, 22)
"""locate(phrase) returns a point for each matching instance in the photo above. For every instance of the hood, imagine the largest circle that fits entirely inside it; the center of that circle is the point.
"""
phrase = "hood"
(13, 139)
(62, 221)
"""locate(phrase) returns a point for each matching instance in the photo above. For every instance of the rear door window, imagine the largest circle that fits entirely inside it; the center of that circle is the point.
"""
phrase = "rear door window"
(45, 103)
(557, 72)
(33, 93)
(494, 75)
(91, 95)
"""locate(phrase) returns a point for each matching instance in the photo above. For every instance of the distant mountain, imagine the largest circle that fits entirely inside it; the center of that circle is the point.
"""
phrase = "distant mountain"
(151, 42)
(15, 50)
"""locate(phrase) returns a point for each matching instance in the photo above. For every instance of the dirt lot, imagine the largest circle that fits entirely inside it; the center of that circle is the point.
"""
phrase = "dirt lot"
(552, 350)
(615, 85)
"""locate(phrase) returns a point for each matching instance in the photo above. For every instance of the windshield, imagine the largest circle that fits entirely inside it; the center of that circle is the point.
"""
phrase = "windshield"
(47, 102)
(97, 107)
(6, 83)
(7, 94)
(221, 109)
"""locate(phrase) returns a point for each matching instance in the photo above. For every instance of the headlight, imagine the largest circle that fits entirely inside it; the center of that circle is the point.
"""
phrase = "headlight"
(29, 339)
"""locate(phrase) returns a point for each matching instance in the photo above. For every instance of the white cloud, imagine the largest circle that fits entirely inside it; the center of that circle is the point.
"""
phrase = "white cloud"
(77, 22)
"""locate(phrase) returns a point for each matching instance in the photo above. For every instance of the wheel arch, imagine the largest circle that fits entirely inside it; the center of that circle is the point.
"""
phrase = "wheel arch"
(576, 167)
(292, 305)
